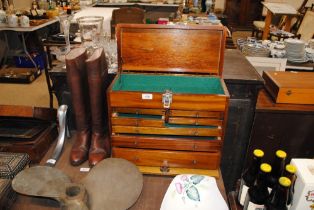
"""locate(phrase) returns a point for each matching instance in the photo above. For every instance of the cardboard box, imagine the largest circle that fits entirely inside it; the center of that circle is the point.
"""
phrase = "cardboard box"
(303, 197)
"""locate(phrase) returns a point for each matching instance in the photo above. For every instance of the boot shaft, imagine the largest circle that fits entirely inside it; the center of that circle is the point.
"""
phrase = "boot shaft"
(76, 77)
(97, 73)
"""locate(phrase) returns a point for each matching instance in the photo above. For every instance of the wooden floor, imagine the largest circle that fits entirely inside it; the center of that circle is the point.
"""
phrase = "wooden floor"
(153, 191)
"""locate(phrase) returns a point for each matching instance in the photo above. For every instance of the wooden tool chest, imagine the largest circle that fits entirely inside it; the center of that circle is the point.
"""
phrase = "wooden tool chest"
(290, 87)
(168, 104)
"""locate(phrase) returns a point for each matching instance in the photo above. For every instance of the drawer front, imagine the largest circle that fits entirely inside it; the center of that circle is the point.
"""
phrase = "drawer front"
(179, 101)
(167, 122)
(137, 122)
(187, 131)
(172, 112)
(168, 158)
(167, 143)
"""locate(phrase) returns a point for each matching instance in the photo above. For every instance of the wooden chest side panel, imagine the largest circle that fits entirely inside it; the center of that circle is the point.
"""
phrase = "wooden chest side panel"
(271, 86)
(176, 159)
(166, 143)
(183, 102)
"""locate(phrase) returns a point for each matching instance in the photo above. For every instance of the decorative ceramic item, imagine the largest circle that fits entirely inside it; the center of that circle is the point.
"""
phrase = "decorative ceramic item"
(193, 192)
(24, 21)
(13, 20)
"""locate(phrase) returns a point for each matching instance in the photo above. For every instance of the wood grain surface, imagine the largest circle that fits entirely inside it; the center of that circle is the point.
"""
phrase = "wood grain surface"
(161, 48)
(290, 87)
(153, 190)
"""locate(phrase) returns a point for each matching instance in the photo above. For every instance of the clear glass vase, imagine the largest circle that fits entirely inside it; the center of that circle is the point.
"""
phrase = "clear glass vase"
(91, 31)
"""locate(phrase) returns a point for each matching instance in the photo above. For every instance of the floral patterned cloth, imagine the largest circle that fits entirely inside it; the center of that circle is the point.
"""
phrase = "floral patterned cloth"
(190, 191)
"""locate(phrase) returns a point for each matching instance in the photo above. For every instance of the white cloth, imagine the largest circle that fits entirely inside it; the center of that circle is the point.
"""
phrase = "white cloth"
(97, 11)
(193, 192)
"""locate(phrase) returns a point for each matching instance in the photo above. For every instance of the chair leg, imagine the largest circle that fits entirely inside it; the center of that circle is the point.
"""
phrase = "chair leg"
(253, 32)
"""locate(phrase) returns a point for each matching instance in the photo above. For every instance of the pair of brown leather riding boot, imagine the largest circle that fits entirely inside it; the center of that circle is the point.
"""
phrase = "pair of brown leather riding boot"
(86, 81)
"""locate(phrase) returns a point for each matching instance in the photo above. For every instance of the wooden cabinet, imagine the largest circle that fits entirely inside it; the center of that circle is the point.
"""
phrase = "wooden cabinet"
(282, 126)
(242, 13)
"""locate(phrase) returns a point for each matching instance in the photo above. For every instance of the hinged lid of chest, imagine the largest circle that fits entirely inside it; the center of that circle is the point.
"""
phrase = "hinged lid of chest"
(153, 48)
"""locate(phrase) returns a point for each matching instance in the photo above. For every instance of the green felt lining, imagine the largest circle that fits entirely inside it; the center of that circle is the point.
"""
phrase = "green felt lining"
(175, 84)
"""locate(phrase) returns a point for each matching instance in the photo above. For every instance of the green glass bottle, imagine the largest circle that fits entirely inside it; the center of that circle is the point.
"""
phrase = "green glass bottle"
(258, 194)
(249, 175)
(290, 173)
(279, 196)
(278, 167)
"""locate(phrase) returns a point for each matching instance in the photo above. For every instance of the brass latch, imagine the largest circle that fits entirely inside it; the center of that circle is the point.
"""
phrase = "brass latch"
(167, 99)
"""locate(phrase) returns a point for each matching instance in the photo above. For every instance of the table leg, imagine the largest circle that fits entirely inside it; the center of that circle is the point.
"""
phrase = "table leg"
(26, 51)
(48, 51)
(267, 24)
(49, 85)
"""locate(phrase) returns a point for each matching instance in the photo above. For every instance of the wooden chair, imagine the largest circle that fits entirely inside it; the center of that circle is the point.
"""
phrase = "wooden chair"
(126, 15)
(303, 30)
(258, 26)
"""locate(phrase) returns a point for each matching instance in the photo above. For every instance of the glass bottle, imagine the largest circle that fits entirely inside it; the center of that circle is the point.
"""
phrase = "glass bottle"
(290, 173)
(249, 175)
(279, 196)
(258, 194)
(278, 169)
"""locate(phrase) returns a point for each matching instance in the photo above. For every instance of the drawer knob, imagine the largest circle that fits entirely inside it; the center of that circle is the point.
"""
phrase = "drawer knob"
(164, 168)
(194, 162)
(194, 146)
(289, 92)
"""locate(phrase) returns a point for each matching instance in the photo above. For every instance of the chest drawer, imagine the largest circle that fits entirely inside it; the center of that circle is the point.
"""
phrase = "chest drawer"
(169, 158)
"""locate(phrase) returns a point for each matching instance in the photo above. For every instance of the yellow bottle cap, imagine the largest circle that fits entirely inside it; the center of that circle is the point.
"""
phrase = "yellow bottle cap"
(291, 168)
(281, 154)
(258, 153)
(265, 167)
(284, 181)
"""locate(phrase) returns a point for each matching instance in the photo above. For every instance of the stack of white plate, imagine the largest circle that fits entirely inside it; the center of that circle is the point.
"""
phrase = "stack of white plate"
(295, 50)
